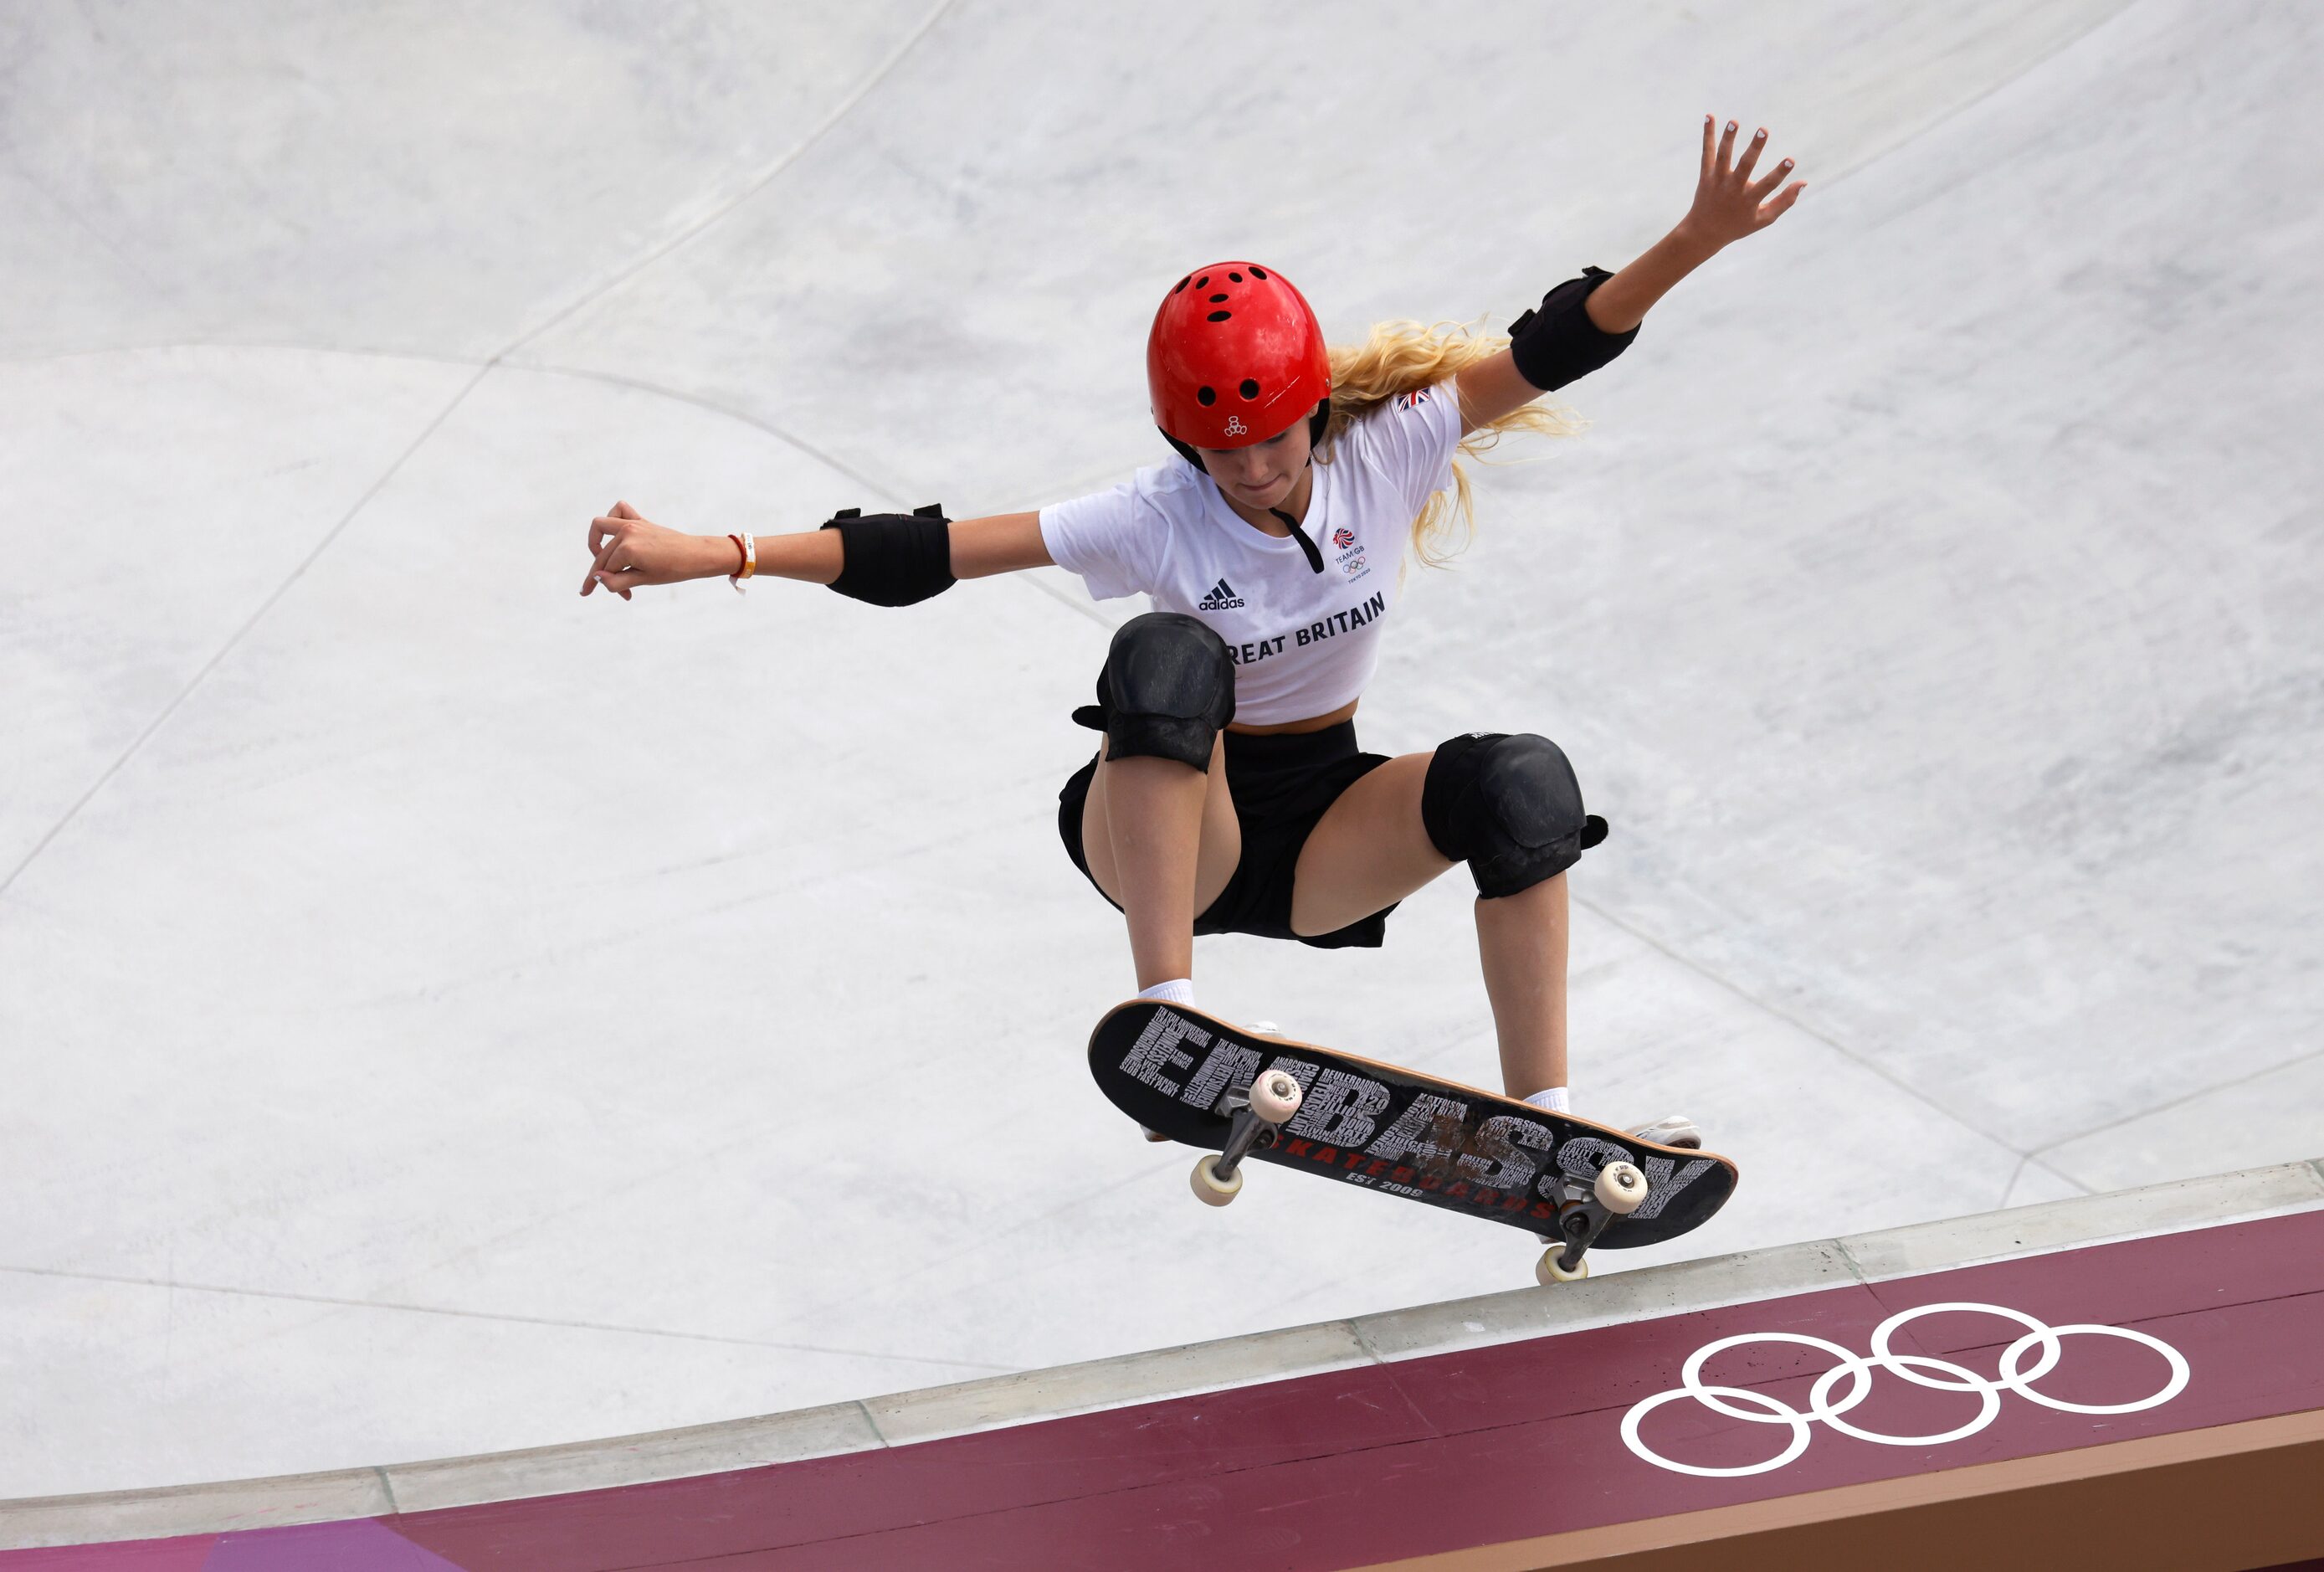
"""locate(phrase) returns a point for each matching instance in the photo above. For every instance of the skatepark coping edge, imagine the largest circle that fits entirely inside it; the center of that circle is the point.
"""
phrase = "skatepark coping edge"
(1028, 1397)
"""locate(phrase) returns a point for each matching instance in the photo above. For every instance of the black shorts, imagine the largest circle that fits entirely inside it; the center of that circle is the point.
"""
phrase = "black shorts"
(1281, 785)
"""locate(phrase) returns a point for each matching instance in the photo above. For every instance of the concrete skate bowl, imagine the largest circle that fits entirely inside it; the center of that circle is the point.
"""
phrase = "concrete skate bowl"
(423, 991)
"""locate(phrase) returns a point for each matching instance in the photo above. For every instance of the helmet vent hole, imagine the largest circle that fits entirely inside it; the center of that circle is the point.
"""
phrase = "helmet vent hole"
(1219, 316)
(1209, 395)
(1236, 277)
(1203, 282)
(1249, 389)
(1183, 283)
(1216, 299)
(1259, 273)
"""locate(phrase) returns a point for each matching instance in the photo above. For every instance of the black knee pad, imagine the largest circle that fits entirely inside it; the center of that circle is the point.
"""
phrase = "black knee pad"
(1509, 807)
(1167, 689)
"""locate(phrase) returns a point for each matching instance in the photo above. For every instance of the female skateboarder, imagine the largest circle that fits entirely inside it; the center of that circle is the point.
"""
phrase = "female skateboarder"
(1227, 794)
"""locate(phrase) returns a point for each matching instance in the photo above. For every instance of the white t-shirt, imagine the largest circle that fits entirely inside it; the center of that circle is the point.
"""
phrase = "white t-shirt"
(1303, 643)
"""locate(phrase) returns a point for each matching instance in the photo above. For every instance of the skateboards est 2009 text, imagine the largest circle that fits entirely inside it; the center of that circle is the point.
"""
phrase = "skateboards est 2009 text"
(1209, 1083)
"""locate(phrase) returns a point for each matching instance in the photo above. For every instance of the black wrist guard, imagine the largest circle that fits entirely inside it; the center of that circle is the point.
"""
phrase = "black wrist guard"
(1557, 343)
(893, 559)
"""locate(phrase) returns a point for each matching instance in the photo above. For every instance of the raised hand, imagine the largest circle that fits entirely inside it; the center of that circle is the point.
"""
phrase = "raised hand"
(1729, 203)
(629, 549)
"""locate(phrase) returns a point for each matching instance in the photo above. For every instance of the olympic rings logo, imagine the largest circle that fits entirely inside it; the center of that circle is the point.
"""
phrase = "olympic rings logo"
(1943, 1375)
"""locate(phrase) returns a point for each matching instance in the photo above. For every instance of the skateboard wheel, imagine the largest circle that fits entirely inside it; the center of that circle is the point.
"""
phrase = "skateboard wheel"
(1549, 1274)
(1211, 1190)
(1620, 1188)
(1275, 1096)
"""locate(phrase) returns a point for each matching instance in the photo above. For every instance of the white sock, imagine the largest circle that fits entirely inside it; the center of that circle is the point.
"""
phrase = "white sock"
(1553, 1098)
(1178, 991)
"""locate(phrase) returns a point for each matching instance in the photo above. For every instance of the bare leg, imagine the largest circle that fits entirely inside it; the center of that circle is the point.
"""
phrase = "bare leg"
(1154, 817)
(1369, 849)
(1521, 940)
(1162, 841)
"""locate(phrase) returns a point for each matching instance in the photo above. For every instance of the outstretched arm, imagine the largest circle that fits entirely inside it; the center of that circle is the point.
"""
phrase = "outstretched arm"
(1000, 544)
(1729, 205)
(629, 551)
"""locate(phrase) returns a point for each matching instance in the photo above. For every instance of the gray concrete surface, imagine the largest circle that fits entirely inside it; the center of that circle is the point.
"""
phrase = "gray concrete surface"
(440, 1015)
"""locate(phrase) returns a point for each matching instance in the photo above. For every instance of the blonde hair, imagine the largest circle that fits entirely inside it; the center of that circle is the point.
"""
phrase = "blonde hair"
(1402, 357)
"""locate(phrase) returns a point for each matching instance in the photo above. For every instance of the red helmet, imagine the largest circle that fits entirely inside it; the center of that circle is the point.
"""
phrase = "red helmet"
(1235, 358)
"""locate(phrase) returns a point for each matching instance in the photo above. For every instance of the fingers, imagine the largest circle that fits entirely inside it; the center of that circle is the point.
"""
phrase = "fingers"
(1718, 158)
(611, 554)
(607, 537)
(605, 529)
(1726, 184)
(614, 570)
(612, 523)
(1775, 178)
(1771, 211)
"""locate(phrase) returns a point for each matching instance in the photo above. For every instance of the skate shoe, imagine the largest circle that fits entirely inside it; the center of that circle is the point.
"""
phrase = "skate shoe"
(1675, 1130)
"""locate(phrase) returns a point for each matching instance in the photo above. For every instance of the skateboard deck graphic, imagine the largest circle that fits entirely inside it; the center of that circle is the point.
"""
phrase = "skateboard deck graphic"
(1181, 1072)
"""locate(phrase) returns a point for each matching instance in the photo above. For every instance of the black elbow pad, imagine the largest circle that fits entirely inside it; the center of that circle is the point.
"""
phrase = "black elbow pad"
(893, 559)
(1557, 343)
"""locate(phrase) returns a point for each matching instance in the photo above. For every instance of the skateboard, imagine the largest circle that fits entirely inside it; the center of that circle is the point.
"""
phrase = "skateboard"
(1210, 1083)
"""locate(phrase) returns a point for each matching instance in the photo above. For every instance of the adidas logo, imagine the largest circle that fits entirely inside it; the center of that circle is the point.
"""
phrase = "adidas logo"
(1221, 597)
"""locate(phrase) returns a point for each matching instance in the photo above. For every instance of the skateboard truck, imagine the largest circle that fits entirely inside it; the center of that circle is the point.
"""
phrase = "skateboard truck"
(1258, 1112)
(1583, 1212)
